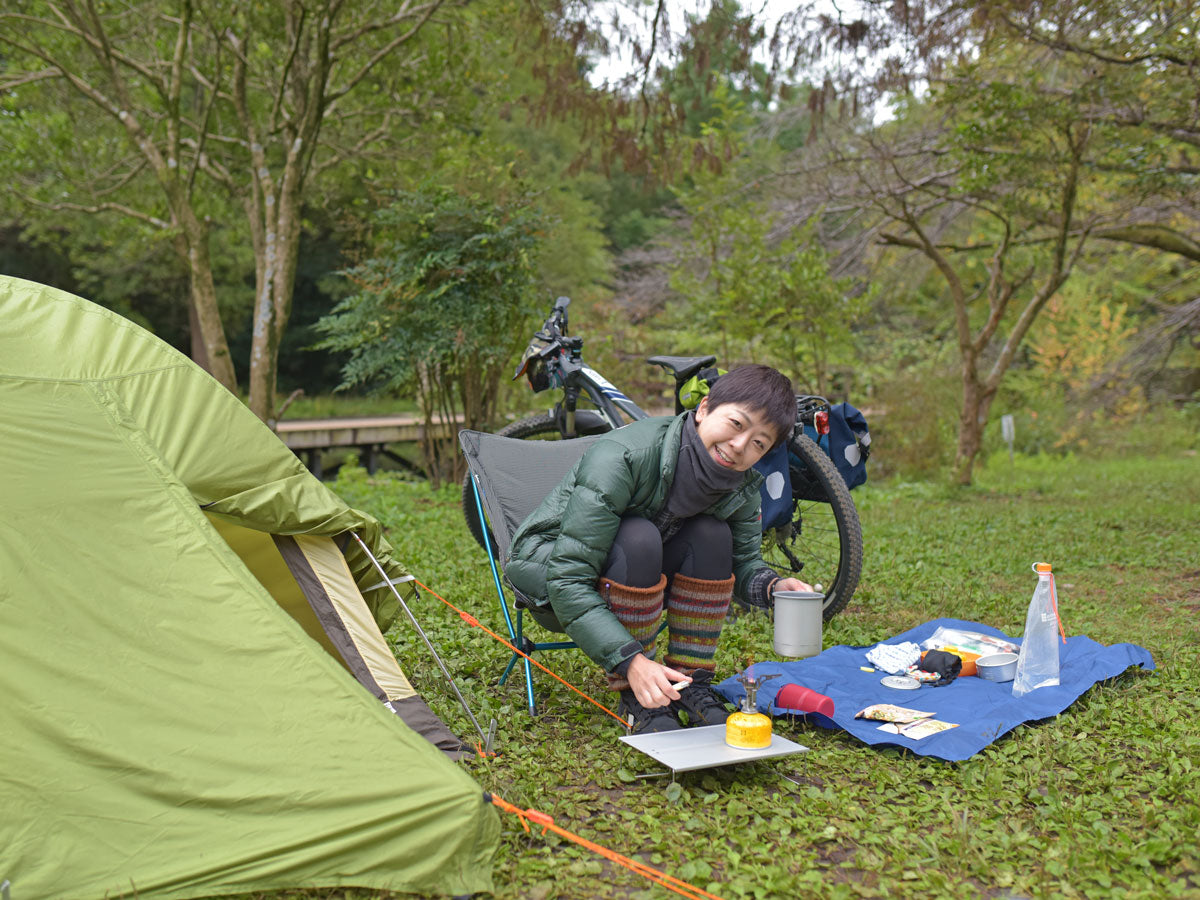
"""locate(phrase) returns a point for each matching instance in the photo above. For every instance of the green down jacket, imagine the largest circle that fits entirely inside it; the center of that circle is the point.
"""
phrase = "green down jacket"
(558, 552)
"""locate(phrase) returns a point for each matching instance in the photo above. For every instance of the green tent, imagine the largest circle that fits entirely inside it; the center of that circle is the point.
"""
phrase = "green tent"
(197, 698)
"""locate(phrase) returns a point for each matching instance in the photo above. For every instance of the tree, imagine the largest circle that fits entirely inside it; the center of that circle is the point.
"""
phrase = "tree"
(768, 297)
(148, 108)
(765, 290)
(1140, 65)
(442, 308)
(1032, 144)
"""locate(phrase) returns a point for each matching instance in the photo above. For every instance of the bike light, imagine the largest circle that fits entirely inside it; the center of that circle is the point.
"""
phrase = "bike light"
(821, 421)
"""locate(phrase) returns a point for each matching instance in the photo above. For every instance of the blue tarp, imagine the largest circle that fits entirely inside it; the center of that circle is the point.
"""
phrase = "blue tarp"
(983, 710)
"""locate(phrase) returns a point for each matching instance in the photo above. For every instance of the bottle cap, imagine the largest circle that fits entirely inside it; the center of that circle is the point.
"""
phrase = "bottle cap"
(1042, 568)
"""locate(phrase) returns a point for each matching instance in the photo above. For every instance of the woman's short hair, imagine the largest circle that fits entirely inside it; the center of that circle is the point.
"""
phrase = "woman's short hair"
(759, 389)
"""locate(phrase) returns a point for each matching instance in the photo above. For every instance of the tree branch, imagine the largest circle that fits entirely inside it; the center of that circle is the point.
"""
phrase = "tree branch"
(212, 168)
(84, 87)
(132, 171)
(199, 157)
(350, 37)
(287, 67)
(1031, 32)
(64, 24)
(64, 206)
(383, 52)
(175, 85)
(370, 137)
(658, 11)
(28, 78)
(1157, 236)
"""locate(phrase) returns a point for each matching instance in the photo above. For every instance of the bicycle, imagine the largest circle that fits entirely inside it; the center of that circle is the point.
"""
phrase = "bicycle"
(822, 537)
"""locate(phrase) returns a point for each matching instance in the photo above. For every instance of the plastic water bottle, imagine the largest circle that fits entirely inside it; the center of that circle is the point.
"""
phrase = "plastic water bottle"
(1037, 664)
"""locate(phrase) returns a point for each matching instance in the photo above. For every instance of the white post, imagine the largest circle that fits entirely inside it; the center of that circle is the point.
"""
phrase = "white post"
(1009, 431)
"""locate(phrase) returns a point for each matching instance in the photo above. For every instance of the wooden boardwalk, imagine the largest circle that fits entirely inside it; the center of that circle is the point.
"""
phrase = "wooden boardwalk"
(370, 435)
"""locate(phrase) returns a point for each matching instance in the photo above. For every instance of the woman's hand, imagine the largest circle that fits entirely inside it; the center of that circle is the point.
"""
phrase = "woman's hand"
(790, 584)
(651, 682)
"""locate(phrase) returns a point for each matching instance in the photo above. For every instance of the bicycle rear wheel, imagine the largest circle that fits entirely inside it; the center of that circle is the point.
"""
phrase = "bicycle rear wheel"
(539, 427)
(823, 542)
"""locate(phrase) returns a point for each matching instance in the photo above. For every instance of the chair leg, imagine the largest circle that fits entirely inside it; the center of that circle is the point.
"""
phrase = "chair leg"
(517, 642)
(514, 631)
(521, 642)
(527, 646)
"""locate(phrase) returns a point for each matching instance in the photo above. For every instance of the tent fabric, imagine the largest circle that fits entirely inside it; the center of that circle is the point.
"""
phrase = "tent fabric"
(320, 570)
(169, 730)
(983, 710)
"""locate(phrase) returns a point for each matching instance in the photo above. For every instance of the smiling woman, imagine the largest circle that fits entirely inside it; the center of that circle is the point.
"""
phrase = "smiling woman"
(735, 437)
(745, 414)
(659, 522)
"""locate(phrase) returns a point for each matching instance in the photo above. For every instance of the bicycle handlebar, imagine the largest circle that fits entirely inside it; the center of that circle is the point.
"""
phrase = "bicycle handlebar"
(556, 325)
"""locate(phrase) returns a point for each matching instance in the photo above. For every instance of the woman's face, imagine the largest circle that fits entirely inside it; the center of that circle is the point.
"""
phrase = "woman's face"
(734, 436)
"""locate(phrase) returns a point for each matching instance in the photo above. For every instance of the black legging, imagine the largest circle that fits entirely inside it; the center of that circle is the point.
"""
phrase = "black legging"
(702, 548)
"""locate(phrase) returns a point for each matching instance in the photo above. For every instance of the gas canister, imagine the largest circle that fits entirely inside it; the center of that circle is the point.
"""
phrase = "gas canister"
(748, 729)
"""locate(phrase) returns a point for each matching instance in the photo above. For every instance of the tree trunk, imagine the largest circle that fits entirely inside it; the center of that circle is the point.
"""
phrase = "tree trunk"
(425, 397)
(203, 299)
(267, 329)
(275, 278)
(977, 403)
(970, 433)
(198, 352)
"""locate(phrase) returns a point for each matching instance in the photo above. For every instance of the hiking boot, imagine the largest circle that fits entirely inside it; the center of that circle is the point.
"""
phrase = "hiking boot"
(647, 721)
(703, 705)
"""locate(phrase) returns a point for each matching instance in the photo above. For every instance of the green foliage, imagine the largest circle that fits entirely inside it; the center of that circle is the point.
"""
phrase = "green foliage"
(442, 307)
(1003, 177)
(450, 286)
(913, 415)
(1102, 801)
(716, 62)
(187, 120)
(762, 297)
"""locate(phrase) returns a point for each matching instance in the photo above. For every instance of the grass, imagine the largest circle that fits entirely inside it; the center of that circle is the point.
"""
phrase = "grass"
(1102, 801)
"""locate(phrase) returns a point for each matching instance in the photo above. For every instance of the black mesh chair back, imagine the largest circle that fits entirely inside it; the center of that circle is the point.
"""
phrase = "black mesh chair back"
(511, 477)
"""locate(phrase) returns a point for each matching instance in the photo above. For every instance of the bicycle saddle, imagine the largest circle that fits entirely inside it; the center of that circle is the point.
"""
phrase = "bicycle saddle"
(682, 367)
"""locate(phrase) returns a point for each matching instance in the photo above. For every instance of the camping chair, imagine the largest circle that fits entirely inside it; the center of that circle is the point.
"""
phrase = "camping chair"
(511, 477)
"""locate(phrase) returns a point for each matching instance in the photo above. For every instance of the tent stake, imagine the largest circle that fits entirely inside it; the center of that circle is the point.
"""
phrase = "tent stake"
(424, 637)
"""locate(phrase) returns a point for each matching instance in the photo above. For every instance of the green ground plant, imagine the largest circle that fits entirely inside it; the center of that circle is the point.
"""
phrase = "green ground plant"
(1102, 801)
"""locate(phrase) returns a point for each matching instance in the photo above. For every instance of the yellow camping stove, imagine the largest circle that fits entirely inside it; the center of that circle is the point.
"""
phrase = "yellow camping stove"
(748, 729)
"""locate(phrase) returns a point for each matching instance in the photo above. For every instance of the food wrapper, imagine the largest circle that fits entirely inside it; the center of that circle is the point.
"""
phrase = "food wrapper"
(887, 712)
(921, 728)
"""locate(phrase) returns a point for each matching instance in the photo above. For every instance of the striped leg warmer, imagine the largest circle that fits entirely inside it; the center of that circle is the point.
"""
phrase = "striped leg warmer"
(638, 609)
(695, 614)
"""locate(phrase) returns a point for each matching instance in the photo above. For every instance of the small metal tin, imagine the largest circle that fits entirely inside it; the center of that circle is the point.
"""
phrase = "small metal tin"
(900, 682)
(997, 667)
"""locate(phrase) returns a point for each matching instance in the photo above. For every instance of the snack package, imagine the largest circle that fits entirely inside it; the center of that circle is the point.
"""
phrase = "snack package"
(921, 728)
(887, 712)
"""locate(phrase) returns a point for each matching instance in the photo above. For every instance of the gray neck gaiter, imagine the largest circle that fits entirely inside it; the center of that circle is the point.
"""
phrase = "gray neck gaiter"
(699, 479)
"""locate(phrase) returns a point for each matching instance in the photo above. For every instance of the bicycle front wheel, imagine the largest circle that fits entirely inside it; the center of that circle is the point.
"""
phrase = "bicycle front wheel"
(539, 427)
(823, 542)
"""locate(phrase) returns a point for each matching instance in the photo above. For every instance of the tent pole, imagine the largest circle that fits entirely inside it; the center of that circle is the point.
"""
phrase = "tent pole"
(417, 625)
